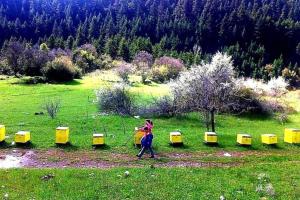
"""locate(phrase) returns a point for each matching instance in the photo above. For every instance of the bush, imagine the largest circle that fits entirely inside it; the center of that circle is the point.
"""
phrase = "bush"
(106, 62)
(34, 60)
(143, 60)
(275, 87)
(60, 69)
(86, 58)
(123, 71)
(115, 99)
(52, 107)
(161, 107)
(4, 67)
(166, 68)
(34, 80)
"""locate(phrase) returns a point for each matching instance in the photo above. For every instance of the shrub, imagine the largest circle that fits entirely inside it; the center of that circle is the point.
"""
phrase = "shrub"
(166, 68)
(143, 60)
(13, 52)
(34, 61)
(162, 107)
(275, 87)
(52, 107)
(115, 99)
(4, 67)
(86, 58)
(291, 76)
(34, 80)
(123, 71)
(60, 69)
(106, 62)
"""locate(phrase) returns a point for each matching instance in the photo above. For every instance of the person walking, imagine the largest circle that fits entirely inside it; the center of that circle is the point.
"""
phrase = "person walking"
(146, 143)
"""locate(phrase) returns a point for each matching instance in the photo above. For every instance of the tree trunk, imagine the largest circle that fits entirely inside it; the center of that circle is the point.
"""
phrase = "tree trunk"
(212, 115)
(207, 120)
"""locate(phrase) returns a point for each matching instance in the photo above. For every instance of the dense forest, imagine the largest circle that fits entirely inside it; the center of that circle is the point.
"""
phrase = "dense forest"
(263, 36)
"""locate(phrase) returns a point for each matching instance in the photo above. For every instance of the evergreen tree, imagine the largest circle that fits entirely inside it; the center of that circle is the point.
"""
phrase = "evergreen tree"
(124, 50)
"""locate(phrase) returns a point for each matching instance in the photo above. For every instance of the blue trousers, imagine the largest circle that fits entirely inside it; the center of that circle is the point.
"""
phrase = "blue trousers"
(144, 148)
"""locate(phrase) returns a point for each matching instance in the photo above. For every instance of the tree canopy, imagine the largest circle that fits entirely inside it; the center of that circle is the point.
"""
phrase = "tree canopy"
(254, 32)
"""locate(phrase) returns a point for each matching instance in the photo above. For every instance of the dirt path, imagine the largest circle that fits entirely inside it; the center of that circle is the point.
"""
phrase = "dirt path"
(58, 158)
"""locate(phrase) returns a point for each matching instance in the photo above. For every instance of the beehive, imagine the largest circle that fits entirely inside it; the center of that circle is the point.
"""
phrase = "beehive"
(292, 135)
(22, 137)
(2, 133)
(210, 138)
(176, 138)
(98, 139)
(269, 139)
(139, 133)
(62, 135)
(244, 139)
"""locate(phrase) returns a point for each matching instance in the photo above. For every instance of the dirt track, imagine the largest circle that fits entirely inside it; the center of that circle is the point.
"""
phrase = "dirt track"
(58, 158)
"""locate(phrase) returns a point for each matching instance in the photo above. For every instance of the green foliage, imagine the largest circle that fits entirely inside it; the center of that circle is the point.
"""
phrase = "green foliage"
(256, 33)
(166, 68)
(61, 69)
(111, 48)
(86, 58)
(44, 47)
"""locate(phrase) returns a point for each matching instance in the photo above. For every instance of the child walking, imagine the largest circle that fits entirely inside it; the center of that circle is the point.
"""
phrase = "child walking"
(146, 142)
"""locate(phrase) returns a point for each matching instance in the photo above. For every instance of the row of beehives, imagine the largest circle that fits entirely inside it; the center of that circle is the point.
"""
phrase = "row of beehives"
(62, 137)
(291, 136)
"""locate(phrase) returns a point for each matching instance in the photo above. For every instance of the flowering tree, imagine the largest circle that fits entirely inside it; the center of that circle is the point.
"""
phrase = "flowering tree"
(166, 68)
(144, 61)
(123, 71)
(206, 88)
(13, 52)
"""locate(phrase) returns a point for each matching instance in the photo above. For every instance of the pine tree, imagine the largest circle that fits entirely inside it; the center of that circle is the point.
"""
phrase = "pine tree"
(111, 48)
(124, 50)
(69, 42)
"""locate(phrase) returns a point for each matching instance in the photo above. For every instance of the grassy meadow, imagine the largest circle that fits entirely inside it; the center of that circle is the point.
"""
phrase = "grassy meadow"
(19, 103)
(146, 183)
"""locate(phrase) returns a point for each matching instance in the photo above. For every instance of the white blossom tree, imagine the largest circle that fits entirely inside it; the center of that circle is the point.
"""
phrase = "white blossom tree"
(206, 88)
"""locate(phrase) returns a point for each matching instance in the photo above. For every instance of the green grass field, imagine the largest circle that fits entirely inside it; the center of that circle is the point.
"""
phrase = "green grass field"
(146, 183)
(19, 102)
(79, 112)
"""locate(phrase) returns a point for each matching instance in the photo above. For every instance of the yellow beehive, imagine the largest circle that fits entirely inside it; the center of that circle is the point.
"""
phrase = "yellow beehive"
(62, 135)
(139, 133)
(244, 139)
(292, 135)
(98, 139)
(22, 137)
(2, 133)
(211, 138)
(176, 138)
(269, 139)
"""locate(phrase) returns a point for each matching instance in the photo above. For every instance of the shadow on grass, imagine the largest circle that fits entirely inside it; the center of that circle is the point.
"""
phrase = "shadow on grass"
(179, 146)
(291, 145)
(4, 145)
(69, 146)
(101, 147)
(74, 82)
(246, 147)
(217, 145)
(255, 116)
(272, 146)
(28, 145)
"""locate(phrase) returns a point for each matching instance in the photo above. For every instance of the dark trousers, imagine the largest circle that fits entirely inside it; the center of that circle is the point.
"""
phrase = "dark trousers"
(144, 149)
